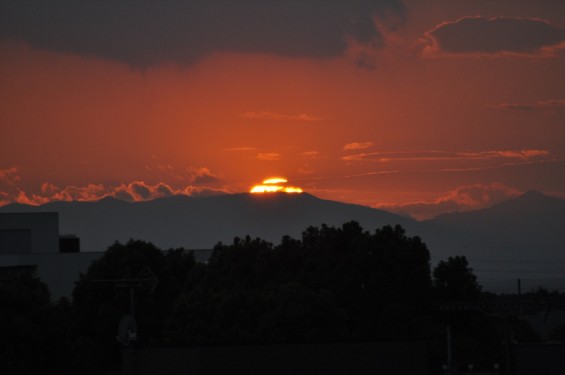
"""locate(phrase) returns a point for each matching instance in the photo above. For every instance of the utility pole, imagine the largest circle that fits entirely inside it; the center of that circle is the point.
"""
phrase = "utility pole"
(127, 332)
(134, 333)
(449, 352)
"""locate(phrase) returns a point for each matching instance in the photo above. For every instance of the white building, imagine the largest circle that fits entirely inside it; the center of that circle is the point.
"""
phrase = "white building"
(32, 241)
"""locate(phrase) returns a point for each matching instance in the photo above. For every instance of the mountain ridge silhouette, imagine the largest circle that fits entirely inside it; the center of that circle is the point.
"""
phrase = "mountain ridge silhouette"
(522, 237)
(201, 222)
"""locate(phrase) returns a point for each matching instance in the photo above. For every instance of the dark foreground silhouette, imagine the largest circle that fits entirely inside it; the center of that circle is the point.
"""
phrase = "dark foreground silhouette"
(331, 285)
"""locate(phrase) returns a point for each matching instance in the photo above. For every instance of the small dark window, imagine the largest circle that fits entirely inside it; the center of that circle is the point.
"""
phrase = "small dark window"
(69, 244)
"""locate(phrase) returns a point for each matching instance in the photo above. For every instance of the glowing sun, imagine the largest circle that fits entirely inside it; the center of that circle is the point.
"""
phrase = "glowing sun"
(274, 185)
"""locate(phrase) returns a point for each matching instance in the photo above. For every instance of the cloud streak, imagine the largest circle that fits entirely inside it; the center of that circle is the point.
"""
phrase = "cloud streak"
(383, 172)
(384, 157)
(311, 154)
(549, 106)
(266, 115)
(237, 149)
(357, 146)
(268, 156)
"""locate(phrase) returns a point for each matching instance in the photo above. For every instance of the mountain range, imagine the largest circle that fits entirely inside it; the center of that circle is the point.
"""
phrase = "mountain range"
(523, 237)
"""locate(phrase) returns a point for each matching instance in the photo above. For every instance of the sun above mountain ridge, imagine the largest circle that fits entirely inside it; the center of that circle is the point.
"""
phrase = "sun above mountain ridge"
(274, 185)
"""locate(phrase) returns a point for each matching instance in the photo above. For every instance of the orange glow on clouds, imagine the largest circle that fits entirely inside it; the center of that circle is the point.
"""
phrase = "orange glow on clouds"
(405, 130)
(272, 185)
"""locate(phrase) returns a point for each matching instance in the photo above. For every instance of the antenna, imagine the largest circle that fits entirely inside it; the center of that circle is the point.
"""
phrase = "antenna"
(127, 329)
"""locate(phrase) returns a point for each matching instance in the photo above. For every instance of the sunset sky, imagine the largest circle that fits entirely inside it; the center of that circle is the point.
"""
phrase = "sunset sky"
(419, 107)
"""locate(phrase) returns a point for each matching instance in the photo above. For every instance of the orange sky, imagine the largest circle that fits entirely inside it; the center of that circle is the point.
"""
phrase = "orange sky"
(412, 123)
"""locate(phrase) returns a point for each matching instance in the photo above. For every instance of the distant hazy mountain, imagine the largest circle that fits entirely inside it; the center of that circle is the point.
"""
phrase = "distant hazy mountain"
(519, 238)
(520, 228)
(182, 221)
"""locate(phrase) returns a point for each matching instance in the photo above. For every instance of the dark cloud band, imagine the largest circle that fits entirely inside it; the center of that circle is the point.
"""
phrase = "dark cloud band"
(145, 33)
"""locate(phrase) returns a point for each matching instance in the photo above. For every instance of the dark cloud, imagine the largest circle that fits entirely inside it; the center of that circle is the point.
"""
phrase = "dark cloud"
(136, 191)
(123, 195)
(495, 35)
(200, 192)
(144, 33)
(141, 189)
(164, 190)
(203, 177)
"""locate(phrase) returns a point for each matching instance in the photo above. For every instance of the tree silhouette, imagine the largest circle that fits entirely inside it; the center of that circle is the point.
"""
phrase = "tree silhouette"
(101, 298)
(454, 280)
(333, 283)
(33, 330)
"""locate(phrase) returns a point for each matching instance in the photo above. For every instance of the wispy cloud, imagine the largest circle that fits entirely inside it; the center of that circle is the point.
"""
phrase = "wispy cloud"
(512, 154)
(445, 155)
(357, 146)
(9, 176)
(354, 175)
(546, 106)
(268, 156)
(165, 170)
(6, 174)
(266, 115)
(310, 154)
(9, 180)
(306, 171)
(500, 166)
(437, 169)
(240, 149)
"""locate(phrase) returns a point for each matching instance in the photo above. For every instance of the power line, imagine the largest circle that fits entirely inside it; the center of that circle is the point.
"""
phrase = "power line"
(530, 271)
(492, 260)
